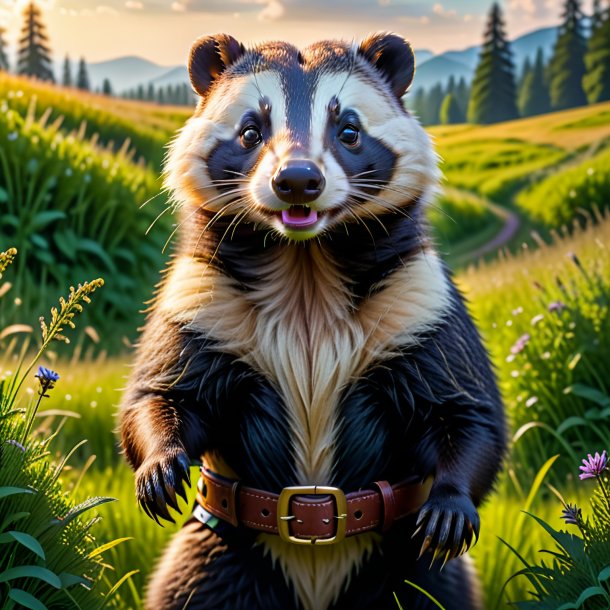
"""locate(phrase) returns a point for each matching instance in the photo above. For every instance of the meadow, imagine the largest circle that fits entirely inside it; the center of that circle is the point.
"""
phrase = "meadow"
(542, 305)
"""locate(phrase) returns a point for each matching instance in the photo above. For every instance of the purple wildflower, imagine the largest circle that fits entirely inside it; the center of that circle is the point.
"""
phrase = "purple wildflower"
(15, 444)
(520, 344)
(594, 465)
(571, 514)
(47, 379)
(556, 306)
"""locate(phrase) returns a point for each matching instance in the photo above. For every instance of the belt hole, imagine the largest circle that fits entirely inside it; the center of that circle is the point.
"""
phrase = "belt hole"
(358, 514)
(204, 491)
(224, 503)
(265, 512)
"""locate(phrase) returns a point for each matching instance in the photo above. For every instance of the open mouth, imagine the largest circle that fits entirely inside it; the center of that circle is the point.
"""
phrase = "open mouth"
(299, 217)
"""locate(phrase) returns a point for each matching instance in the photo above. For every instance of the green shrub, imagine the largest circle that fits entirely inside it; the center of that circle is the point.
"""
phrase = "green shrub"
(48, 558)
(578, 575)
(546, 317)
(75, 211)
(566, 194)
(456, 216)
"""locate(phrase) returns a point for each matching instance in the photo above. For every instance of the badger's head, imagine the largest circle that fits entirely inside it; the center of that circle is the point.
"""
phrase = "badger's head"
(301, 143)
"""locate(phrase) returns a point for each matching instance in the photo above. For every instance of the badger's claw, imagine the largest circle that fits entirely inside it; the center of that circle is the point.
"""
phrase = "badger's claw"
(450, 525)
(159, 478)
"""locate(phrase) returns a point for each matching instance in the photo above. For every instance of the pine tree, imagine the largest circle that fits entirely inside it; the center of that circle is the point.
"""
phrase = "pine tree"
(462, 95)
(450, 85)
(106, 87)
(596, 81)
(415, 102)
(3, 57)
(140, 92)
(150, 94)
(34, 54)
(525, 70)
(567, 66)
(493, 96)
(432, 107)
(66, 80)
(160, 96)
(82, 78)
(534, 96)
(451, 113)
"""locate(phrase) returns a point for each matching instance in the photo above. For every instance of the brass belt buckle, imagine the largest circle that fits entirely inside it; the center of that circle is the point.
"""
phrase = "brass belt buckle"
(283, 518)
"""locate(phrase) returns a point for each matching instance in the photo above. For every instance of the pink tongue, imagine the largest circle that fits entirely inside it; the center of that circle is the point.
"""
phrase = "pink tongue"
(293, 219)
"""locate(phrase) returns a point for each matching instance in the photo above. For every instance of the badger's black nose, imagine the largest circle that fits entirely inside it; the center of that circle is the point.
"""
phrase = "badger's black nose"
(298, 181)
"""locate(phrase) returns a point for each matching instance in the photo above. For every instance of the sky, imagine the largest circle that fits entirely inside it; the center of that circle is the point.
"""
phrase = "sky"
(162, 30)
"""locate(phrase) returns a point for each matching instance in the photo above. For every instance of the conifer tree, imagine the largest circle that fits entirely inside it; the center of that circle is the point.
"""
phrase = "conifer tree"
(450, 85)
(150, 94)
(462, 95)
(596, 81)
(66, 80)
(493, 95)
(525, 70)
(567, 66)
(534, 96)
(432, 107)
(451, 112)
(107, 87)
(34, 54)
(3, 57)
(140, 92)
(416, 102)
(82, 77)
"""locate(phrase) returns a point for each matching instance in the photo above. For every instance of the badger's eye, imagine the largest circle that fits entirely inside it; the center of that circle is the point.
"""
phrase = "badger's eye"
(250, 136)
(349, 135)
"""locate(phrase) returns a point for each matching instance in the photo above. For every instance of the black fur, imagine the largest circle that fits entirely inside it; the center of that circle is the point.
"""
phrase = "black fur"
(432, 409)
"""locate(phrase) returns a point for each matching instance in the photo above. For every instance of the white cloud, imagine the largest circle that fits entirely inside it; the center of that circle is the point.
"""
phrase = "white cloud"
(178, 7)
(106, 10)
(440, 10)
(134, 5)
(273, 10)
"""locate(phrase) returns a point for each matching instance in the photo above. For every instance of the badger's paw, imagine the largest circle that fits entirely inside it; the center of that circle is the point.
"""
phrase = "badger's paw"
(158, 479)
(450, 524)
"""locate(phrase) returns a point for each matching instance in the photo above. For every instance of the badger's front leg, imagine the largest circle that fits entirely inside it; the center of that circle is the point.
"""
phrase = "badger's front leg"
(161, 433)
(468, 431)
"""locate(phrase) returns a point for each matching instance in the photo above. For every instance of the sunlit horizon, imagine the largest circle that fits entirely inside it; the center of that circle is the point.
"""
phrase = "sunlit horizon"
(163, 31)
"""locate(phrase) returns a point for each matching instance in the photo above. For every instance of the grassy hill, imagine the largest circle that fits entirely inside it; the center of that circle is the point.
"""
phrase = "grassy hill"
(548, 169)
(68, 179)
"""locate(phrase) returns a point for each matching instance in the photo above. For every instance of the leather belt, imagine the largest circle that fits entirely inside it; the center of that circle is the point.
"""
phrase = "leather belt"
(311, 514)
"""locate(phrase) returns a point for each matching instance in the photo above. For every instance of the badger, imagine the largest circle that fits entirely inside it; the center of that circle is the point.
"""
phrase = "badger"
(308, 347)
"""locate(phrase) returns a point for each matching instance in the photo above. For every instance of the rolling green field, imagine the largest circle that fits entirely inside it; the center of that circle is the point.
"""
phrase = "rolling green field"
(543, 311)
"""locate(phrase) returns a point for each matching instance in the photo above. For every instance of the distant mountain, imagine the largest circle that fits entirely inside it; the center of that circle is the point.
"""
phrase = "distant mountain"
(174, 76)
(124, 72)
(422, 55)
(440, 69)
(129, 72)
(463, 63)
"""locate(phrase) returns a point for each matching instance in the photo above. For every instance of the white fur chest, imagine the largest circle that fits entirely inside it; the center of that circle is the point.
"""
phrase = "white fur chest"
(298, 327)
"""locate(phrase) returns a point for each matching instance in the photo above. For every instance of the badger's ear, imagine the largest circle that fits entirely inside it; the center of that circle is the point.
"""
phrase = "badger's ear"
(210, 56)
(393, 56)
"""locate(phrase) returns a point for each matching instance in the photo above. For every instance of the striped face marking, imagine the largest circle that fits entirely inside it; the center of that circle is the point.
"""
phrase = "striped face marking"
(321, 108)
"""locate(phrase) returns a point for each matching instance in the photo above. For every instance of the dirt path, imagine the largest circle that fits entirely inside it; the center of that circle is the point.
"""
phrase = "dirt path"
(512, 223)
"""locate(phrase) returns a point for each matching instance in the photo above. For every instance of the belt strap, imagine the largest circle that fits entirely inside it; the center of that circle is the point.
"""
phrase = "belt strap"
(311, 513)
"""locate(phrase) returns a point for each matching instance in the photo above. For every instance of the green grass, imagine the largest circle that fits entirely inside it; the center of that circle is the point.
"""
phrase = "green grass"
(456, 216)
(496, 169)
(146, 127)
(545, 314)
(74, 212)
(569, 193)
